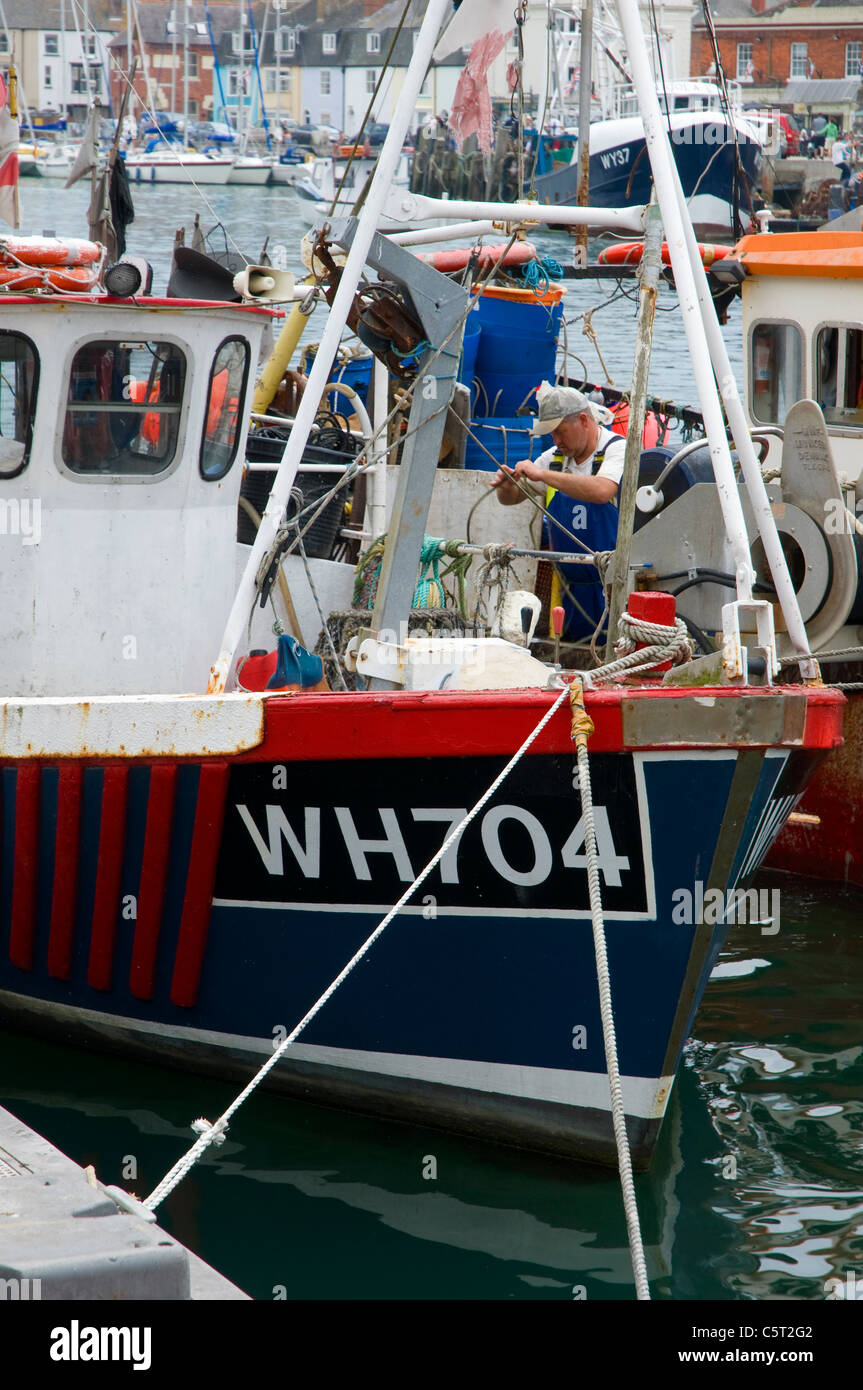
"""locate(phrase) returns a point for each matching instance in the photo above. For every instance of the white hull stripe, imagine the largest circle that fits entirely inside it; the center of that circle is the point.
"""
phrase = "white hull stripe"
(644, 1097)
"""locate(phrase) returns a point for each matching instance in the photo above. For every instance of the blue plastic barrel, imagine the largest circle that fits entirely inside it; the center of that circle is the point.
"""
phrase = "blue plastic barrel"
(517, 348)
(469, 350)
(507, 440)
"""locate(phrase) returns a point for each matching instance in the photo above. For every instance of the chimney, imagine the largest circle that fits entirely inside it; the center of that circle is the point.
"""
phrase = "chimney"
(757, 6)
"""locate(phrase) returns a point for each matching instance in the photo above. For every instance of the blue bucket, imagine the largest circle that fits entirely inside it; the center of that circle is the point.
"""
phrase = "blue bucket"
(507, 440)
(356, 373)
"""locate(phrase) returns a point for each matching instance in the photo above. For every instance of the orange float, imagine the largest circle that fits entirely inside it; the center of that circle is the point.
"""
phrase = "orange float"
(49, 251)
(630, 253)
(456, 258)
(65, 278)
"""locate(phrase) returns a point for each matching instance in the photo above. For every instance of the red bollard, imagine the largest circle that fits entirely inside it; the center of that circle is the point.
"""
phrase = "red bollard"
(653, 607)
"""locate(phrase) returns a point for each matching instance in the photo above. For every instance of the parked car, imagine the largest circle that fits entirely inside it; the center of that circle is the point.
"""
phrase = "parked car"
(210, 133)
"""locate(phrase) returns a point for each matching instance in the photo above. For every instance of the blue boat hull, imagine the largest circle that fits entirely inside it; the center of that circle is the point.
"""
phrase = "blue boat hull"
(477, 1009)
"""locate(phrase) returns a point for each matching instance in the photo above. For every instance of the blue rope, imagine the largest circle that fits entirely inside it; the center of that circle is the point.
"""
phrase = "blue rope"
(539, 273)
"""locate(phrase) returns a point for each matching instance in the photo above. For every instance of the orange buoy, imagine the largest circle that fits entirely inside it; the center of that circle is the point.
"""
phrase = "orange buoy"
(456, 258)
(49, 251)
(630, 253)
(70, 279)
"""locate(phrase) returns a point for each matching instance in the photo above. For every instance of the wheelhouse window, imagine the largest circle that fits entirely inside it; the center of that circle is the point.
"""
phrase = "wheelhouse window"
(776, 368)
(19, 379)
(123, 408)
(225, 394)
(839, 375)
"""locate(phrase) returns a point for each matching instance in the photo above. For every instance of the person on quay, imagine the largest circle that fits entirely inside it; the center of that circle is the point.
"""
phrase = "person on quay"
(577, 479)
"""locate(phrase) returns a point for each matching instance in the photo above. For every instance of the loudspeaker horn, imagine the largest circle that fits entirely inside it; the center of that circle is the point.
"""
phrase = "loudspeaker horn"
(263, 284)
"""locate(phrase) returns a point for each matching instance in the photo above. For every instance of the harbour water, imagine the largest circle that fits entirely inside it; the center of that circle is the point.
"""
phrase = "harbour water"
(757, 1188)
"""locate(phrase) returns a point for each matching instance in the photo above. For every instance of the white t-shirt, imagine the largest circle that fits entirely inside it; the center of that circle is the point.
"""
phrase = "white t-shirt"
(611, 466)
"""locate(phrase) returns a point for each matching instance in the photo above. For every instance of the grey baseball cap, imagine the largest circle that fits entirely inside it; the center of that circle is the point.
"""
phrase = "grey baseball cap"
(555, 404)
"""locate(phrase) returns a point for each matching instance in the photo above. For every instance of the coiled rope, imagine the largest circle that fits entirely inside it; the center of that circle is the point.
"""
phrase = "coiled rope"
(582, 728)
(213, 1132)
(664, 644)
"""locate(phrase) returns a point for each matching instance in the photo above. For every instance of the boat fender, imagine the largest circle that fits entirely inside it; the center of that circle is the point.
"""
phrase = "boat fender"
(630, 253)
(289, 667)
(456, 258)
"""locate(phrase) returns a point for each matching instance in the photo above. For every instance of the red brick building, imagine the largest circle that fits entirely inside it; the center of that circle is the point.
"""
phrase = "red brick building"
(802, 57)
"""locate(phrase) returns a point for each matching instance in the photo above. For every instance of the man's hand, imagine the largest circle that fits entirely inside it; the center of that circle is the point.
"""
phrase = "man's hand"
(504, 481)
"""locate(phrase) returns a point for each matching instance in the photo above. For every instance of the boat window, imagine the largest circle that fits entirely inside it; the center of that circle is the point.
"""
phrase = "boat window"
(123, 407)
(839, 368)
(225, 394)
(19, 378)
(776, 371)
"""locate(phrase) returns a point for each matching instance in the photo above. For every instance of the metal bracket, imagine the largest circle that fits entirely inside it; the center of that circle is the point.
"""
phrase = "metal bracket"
(735, 654)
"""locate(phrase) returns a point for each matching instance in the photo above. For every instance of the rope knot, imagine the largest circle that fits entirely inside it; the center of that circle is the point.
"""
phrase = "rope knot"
(215, 1132)
(582, 724)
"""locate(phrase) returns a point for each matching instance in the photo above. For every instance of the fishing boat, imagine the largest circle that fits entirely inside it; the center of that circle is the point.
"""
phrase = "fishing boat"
(199, 838)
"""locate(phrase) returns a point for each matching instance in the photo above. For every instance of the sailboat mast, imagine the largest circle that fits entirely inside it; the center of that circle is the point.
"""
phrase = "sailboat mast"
(584, 86)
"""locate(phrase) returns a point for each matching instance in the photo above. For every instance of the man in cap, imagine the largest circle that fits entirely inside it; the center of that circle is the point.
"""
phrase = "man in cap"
(577, 480)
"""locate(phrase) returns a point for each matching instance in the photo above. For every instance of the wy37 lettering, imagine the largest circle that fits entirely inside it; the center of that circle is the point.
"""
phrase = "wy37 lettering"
(277, 834)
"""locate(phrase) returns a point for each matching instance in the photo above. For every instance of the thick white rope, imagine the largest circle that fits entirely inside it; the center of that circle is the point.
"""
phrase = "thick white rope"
(215, 1132)
(666, 644)
(618, 1114)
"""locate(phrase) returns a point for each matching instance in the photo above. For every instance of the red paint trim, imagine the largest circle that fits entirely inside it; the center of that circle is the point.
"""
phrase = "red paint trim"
(25, 880)
(106, 902)
(154, 872)
(195, 922)
(302, 728)
(64, 890)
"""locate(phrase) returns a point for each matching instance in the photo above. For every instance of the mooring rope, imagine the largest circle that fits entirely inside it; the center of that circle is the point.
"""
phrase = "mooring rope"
(582, 728)
(214, 1132)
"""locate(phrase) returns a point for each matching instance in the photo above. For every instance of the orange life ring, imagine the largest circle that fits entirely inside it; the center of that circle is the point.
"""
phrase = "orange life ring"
(69, 279)
(630, 253)
(49, 251)
(456, 258)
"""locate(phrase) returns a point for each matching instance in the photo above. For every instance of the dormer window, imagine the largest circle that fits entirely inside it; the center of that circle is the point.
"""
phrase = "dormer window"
(329, 43)
(373, 43)
(286, 41)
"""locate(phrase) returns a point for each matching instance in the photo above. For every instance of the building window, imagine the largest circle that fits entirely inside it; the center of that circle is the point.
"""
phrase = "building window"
(194, 71)
(799, 65)
(79, 79)
(269, 80)
(48, 77)
(853, 59)
(371, 80)
(233, 81)
(329, 43)
(123, 407)
(285, 41)
(373, 43)
(285, 78)
(744, 62)
(52, 45)
(325, 82)
(91, 44)
(4, 43)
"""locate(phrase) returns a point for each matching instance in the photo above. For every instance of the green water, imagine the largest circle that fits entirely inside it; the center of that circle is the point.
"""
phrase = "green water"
(756, 1190)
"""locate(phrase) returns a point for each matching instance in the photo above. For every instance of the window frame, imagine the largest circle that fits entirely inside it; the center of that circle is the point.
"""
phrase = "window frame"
(241, 412)
(325, 90)
(28, 442)
(373, 43)
(51, 52)
(328, 43)
(805, 369)
(857, 61)
(801, 55)
(742, 63)
(133, 479)
(852, 431)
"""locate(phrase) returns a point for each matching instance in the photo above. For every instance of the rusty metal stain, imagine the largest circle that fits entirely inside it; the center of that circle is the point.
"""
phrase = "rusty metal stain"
(720, 721)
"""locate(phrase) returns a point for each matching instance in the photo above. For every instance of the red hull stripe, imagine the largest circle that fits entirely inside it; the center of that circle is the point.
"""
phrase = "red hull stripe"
(24, 883)
(154, 871)
(195, 922)
(106, 902)
(61, 932)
